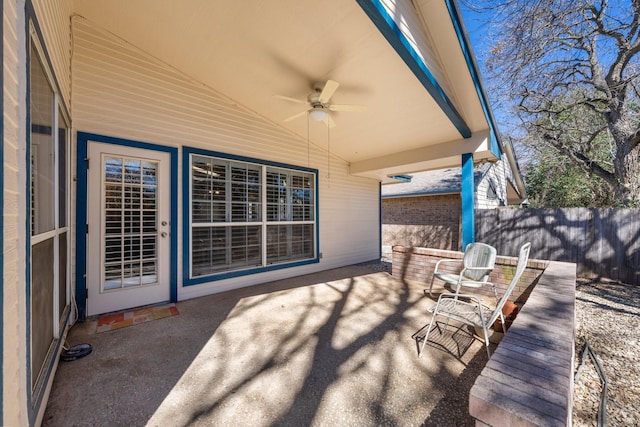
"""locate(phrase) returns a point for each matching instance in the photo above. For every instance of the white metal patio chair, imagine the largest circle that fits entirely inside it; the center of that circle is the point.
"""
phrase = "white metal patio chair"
(478, 261)
(468, 309)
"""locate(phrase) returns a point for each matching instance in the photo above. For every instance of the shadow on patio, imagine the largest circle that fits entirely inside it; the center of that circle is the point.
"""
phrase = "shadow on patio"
(332, 348)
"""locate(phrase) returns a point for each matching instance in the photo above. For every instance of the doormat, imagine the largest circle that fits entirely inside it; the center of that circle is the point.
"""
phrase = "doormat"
(111, 322)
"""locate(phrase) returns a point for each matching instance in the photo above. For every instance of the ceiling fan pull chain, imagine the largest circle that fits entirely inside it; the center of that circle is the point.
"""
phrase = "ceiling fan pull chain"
(329, 156)
(308, 145)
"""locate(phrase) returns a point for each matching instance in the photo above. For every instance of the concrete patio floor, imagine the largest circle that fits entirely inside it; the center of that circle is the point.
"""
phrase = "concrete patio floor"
(328, 349)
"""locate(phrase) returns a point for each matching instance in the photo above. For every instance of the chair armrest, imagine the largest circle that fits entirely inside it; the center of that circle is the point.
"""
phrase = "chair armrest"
(451, 261)
(473, 298)
(455, 295)
(479, 268)
(474, 301)
(466, 270)
(464, 280)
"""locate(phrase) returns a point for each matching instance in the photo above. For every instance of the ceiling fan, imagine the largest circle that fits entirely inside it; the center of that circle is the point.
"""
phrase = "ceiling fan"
(318, 103)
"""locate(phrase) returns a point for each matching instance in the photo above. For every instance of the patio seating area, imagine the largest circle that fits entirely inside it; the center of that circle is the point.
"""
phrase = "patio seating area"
(529, 378)
(331, 348)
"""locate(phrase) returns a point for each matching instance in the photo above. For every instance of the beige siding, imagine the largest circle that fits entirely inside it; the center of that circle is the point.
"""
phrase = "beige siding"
(14, 374)
(120, 91)
(54, 21)
(408, 20)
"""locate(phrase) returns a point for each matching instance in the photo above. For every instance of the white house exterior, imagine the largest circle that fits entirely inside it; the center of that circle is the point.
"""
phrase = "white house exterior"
(146, 159)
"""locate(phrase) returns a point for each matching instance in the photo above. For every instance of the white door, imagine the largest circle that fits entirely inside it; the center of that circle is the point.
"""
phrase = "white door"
(128, 217)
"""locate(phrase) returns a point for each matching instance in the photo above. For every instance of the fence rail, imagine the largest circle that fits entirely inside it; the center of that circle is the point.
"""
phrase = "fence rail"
(602, 242)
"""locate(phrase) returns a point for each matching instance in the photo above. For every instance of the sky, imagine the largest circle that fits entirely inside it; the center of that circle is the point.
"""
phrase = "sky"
(478, 27)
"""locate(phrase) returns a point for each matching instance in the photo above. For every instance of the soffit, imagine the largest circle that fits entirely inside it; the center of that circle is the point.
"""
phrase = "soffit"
(252, 50)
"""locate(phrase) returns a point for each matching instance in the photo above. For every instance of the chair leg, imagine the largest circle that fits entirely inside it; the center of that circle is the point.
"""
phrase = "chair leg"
(486, 340)
(495, 292)
(433, 277)
(426, 337)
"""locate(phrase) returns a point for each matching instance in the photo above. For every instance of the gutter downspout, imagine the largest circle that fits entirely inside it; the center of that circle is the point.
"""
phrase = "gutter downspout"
(515, 169)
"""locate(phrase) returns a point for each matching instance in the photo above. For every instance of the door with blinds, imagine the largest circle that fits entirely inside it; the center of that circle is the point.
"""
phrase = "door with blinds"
(128, 231)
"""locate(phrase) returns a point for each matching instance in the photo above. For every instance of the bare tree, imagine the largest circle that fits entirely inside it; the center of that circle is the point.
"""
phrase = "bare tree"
(571, 69)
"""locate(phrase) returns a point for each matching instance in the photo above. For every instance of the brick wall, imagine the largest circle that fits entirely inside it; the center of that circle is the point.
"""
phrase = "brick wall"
(432, 221)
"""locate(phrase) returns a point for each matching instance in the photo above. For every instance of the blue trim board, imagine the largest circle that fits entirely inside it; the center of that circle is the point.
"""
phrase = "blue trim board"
(30, 16)
(209, 153)
(317, 216)
(173, 268)
(81, 230)
(186, 210)
(467, 51)
(390, 30)
(83, 140)
(467, 196)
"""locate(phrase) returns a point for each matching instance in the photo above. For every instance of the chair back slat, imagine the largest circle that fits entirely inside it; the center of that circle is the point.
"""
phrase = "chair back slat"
(523, 258)
(479, 255)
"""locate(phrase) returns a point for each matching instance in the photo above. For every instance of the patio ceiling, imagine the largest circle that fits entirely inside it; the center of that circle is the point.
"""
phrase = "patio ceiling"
(252, 50)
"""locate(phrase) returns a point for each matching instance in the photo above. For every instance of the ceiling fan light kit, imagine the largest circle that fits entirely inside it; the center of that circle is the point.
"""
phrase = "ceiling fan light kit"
(318, 114)
(318, 103)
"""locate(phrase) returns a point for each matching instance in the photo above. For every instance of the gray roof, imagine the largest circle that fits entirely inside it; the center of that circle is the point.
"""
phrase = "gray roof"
(441, 181)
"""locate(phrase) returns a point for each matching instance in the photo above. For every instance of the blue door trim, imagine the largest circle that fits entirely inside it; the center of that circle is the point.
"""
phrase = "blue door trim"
(390, 30)
(81, 212)
(467, 194)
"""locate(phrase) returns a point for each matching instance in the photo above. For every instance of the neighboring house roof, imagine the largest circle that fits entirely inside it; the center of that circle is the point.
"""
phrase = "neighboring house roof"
(442, 181)
(448, 181)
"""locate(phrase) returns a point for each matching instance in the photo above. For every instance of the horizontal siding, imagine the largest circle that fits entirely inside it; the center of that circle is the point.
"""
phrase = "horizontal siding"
(120, 91)
(118, 88)
(409, 21)
(495, 177)
(14, 374)
(54, 21)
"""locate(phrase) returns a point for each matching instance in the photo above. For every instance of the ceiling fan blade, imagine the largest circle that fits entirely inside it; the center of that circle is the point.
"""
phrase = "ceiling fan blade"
(287, 98)
(328, 90)
(347, 107)
(329, 122)
(295, 116)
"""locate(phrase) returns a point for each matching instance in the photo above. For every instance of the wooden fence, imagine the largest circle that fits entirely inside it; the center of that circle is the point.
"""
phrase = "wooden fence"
(602, 242)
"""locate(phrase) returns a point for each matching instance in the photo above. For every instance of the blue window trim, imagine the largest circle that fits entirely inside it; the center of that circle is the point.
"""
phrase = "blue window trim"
(83, 140)
(186, 221)
(467, 191)
(472, 64)
(390, 30)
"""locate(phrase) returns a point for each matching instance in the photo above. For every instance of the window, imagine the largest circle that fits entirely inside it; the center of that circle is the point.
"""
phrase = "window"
(491, 190)
(245, 215)
(48, 222)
